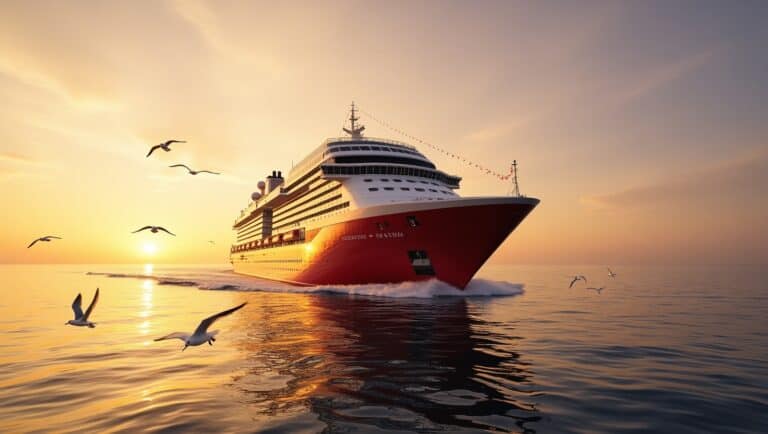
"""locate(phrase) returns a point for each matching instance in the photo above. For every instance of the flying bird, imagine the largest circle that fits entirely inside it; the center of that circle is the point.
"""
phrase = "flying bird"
(611, 273)
(81, 319)
(195, 172)
(165, 146)
(154, 230)
(597, 290)
(46, 238)
(201, 334)
(576, 279)
(212, 242)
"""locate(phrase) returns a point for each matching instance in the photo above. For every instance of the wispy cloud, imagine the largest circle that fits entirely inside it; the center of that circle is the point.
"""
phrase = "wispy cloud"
(214, 33)
(9, 157)
(744, 174)
(656, 77)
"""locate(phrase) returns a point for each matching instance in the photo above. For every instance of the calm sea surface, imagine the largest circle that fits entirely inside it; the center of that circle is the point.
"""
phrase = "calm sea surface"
(671, 349)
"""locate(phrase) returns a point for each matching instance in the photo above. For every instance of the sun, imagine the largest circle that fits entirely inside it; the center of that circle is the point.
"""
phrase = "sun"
(149, 248)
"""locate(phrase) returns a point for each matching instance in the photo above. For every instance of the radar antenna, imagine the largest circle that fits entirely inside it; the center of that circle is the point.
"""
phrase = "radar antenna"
(355, 131)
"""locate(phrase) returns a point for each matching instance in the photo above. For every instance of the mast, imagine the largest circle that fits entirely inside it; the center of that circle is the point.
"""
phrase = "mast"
(515, 186)
(355, 131)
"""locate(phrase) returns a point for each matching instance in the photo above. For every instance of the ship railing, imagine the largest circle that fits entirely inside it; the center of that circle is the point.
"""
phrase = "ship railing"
(371, 139)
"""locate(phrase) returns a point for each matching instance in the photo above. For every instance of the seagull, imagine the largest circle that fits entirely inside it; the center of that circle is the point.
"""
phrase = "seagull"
(211, 241)
(46, 238)
(154, 230)
(597, 290)
(81, 319)
(165, 146)
(195, 172)
(611, 273)
(201, 334)
(576, 279)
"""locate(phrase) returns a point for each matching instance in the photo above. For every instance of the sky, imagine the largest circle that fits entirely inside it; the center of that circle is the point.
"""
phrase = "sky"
(641, 126)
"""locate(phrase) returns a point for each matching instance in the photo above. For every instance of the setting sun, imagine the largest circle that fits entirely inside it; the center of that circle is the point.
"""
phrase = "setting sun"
(149, 248)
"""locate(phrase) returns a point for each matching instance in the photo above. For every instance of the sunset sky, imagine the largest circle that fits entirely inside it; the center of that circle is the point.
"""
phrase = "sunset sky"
(642, 126)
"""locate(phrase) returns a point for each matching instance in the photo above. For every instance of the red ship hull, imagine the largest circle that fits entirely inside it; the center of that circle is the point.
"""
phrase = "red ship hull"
(403, 242)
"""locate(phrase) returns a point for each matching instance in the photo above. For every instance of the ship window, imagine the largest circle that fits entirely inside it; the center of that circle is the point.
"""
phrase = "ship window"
(411, 181)
(344, 148)
(424, 182)
(386, 149)
(384, 179)
(367, 180)
(412, 222)
(398, 180)
(355, 148)
(375, 148)
(419, 189)
(433, 190)
(373, 189)
(389, 188)
(405, 189)
(365, 148)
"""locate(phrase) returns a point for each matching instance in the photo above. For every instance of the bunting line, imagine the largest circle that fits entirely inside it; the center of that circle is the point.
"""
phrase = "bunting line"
(470, 163)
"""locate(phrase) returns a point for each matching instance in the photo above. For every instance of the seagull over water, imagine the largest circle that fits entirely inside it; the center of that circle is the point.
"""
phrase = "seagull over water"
(165, 146)
(597, 290)
(46, 238)
(195, 172)
(154, 230)
(611, 273)
(576, 279)
(201, 334)
(81, 319)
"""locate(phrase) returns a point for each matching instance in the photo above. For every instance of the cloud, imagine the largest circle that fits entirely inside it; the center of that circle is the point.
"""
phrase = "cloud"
(746, 175)
(658, 76)
(501, 129)
(217, 36)
(7, 157)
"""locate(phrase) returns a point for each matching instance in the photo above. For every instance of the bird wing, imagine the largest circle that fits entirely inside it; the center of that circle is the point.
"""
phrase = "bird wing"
(583, 278)
(174, 141)
(175, 335)
(572, 282)
(152, 149)
(33, 243)
(208, 171)
(76, 306)
(142, 229)
(204, 324)
(92, 305)
(166, 230)
(182, 165)
(52, 236)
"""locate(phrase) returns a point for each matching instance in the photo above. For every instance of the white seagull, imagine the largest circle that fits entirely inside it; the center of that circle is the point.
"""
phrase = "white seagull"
(576, 279)
(165, 146)
(611, 273)
(195, 172)
(597, 290)
(81, 319)
(201, 334)
(154, 230)
(46, 238)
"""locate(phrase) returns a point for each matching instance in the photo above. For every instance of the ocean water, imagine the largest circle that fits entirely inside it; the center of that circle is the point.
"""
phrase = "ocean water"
(661, 349)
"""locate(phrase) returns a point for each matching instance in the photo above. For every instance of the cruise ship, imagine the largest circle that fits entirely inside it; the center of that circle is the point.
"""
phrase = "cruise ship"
(361, 210)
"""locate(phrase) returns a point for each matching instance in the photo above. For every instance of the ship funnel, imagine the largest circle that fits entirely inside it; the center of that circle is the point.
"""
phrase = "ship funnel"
(273, 181)
(261, 185)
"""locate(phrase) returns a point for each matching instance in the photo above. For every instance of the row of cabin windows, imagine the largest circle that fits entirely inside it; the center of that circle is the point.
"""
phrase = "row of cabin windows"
(372, 148)
(400, 180)
(391, 170)
(408, 189)
(357, 159)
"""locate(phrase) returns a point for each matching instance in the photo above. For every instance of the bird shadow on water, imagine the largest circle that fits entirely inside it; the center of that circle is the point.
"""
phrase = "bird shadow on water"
(361, 363)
